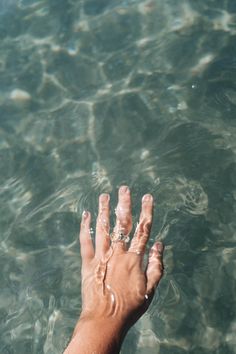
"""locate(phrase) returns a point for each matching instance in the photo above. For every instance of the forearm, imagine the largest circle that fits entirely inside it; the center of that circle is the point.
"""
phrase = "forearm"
(96, 337)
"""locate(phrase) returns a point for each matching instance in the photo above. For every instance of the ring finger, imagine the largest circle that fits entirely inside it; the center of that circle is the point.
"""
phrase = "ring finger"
(143, 229)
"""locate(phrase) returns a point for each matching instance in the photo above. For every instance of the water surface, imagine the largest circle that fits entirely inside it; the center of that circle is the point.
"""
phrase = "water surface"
(94, 94)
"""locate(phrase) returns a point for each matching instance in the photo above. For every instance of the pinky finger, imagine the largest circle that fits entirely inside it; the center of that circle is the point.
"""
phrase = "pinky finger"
(86, 243)
(154, 271)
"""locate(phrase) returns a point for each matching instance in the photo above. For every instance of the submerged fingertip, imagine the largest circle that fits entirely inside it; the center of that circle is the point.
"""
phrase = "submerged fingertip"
(124, 189)
(104, 197)
(85, 214)
(147, 198)
(159, 247)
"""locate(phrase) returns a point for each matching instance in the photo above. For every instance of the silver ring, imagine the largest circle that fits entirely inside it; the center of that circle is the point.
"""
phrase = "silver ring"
(119, 237)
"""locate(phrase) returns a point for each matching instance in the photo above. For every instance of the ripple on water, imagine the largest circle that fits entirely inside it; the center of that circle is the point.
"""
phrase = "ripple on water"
(93, 96)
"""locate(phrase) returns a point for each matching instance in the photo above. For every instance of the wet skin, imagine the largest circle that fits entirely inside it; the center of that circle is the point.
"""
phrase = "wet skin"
(116, 290)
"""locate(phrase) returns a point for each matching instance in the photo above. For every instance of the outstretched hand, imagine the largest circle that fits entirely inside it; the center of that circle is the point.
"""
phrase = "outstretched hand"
(116, 287)
(114, 281)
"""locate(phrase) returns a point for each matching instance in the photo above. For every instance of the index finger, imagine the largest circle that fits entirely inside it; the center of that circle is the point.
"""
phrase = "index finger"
(86, 243)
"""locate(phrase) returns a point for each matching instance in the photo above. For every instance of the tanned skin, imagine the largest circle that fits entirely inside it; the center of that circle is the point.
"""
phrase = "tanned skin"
(116, 289)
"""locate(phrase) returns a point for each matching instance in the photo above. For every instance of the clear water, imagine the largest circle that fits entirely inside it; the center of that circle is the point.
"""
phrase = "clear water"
(94, 94)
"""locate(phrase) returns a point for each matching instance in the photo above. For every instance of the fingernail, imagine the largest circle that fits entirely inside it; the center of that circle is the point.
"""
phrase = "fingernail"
(104, 197)
(147, 198)
(85, 214)
(124, 189)
(159, 247)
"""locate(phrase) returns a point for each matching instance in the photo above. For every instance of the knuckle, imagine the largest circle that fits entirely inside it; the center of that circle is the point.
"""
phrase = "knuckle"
(146, 224)
(124, 221)
(102, 208)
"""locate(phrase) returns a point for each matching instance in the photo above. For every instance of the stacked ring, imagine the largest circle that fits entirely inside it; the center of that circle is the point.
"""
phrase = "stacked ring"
(119, 237)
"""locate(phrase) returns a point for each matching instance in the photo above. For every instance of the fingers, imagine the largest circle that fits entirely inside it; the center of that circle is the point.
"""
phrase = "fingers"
(143, 229)
(86, 244)
(103, 225)
(123, 212)
(155, 267)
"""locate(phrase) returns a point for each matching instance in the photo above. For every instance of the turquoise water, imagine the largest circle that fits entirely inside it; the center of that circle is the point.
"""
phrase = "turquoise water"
(94, 94)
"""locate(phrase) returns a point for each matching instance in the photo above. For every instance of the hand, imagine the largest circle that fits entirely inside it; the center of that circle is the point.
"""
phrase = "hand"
(114, 284)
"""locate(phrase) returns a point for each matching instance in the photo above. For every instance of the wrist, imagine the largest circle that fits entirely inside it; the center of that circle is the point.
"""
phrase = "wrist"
(103, 336)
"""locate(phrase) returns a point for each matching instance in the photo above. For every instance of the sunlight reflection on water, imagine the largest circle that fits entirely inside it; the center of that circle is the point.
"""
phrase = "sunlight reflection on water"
(135, 92)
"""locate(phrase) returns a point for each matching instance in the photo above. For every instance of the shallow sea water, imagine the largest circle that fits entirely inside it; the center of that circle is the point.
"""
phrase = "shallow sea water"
(94, 94)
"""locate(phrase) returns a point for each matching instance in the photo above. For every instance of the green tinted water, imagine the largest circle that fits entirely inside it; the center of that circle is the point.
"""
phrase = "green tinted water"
(94, 94)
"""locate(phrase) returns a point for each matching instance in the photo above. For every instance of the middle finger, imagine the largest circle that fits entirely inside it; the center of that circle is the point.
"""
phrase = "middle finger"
(123, 212)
